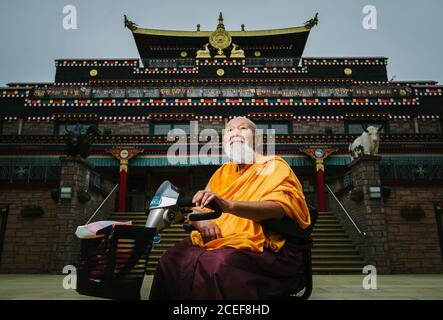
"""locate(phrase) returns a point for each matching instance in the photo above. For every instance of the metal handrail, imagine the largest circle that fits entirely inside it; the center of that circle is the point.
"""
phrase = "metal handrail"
(345, 211)
(101, 204)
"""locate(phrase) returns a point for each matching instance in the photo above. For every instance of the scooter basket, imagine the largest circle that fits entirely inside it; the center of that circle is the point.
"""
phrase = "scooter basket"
(114, 265)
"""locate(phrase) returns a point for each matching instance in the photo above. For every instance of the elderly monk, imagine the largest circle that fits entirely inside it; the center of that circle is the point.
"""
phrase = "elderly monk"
(234, 257)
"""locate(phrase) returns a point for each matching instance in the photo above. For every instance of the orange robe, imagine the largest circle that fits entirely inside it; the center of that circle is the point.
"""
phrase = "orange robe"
(269, 179)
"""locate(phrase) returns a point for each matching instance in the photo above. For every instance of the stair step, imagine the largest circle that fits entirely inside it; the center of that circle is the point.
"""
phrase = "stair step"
(358, 267)
(328, 230)
(330, 239)
(171, 239)
(334, 246)
(342, 252)
(329, 258)
(327, 218)
(316, 235)
(328, 225)
(173, 235)
(335, 270)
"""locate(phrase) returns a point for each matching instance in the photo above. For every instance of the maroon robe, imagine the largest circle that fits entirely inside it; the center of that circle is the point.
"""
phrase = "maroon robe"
(189, 272)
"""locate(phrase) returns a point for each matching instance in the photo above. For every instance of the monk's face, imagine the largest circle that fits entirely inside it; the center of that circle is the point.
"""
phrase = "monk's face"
(238, 140)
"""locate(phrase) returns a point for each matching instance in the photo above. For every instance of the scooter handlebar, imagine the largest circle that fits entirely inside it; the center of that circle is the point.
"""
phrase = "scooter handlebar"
(187, 202)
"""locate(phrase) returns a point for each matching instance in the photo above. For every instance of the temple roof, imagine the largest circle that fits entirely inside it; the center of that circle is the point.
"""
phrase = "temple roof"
(285, 42)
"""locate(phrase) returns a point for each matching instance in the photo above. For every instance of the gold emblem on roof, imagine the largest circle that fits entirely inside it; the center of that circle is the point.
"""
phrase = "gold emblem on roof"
(220, 39)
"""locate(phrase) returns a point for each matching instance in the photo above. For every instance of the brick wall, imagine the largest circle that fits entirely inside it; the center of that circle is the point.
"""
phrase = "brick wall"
(413, 244)
(48, 243)
(393, 244)
(27, 246)
(318, 127)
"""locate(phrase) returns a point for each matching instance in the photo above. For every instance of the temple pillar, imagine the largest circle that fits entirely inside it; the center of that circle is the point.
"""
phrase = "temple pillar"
(123, 156)
(123, 188)
(320, 178)
(319, 155)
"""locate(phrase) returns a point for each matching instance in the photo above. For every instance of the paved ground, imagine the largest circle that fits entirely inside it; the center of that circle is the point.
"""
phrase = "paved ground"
(326, 287)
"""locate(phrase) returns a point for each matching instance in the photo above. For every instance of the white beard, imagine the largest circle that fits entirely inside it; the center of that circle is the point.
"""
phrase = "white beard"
(239, 152)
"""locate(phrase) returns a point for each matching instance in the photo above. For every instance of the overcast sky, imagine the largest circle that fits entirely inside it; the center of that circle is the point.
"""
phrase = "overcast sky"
(32, 34)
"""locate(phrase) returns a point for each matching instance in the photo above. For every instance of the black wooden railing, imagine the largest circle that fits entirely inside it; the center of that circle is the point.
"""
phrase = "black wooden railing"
(411, 170)
(29, 173)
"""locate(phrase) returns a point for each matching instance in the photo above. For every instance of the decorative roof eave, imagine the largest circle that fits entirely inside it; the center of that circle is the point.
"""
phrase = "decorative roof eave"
(419, 84)
(206, 34)
(75, 117)
(428, 90)
(431, 139)
(19, 92)
(148, 39)
(147, 102)
(243, 33)
(131, 62)
(253, 115)
(231, 80)
(344, 61)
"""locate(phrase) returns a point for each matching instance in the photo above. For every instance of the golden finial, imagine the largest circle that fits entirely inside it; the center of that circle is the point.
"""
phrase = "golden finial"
(220, 39)
(220, 21)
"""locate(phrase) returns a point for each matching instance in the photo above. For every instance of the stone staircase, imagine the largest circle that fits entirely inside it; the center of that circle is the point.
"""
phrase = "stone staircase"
(333, 251)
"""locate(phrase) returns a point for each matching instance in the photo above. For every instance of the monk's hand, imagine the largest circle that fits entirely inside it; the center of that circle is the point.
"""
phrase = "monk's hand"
(203, 198)
(208, 230)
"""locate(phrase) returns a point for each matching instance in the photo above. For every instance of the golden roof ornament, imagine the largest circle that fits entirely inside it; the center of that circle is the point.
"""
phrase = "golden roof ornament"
(312, 22)
(236, 52)
(129, 24)
(220, 39)
(204, 53)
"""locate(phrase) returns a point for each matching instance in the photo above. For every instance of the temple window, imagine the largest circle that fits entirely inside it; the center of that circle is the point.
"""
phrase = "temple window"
(159, 129)
(279, 127)
(61, 127)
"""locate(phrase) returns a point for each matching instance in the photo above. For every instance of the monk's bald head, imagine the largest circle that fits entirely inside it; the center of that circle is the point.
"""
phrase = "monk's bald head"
(238, 121)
